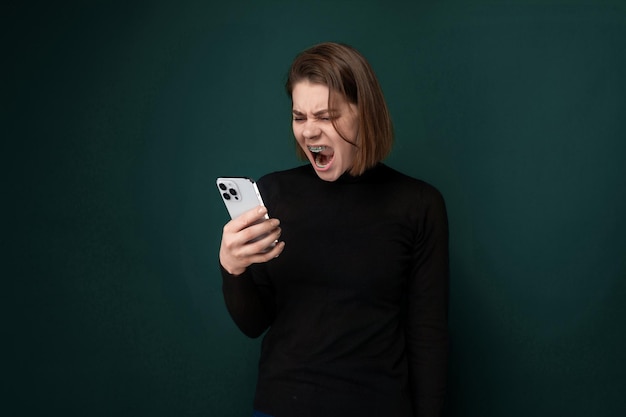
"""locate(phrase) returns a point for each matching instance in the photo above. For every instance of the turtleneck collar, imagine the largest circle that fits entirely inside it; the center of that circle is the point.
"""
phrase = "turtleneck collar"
(347, 178)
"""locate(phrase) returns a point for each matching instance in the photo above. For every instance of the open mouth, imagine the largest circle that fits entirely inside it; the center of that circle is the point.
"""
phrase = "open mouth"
(322, 155)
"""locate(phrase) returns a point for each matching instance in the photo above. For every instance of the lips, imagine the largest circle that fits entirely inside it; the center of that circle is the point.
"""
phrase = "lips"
(322, 155)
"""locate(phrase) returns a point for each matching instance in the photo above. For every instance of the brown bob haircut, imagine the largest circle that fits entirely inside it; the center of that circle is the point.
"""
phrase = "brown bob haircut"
(346, 72)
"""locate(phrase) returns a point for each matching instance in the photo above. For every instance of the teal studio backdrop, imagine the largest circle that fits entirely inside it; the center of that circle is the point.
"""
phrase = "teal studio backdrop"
(118, 116)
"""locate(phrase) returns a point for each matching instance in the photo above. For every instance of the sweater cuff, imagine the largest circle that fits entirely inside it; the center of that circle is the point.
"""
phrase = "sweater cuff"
(231, 281)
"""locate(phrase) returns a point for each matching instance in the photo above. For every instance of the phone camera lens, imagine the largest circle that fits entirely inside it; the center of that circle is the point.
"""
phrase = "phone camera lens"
(222, 186)
(233, 192)
(226, 196)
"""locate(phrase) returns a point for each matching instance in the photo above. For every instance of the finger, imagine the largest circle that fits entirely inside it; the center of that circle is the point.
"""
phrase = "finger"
(263, 243)
(258, 231)
(270, 254)
(246, 219)
(252, 216)
(237, 263)
(242, 221)
(252, 240)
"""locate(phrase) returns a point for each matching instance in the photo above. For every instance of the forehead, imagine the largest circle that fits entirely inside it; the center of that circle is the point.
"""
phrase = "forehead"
(306, 92)
(308, 96)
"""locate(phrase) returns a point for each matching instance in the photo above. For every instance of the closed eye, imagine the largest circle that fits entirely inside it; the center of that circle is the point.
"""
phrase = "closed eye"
(323, 115)
(298, 116)
(327, 115)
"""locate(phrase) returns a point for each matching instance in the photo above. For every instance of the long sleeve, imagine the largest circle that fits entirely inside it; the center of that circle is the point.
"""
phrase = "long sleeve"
(249, 301)
(355, 307)
(427, 328)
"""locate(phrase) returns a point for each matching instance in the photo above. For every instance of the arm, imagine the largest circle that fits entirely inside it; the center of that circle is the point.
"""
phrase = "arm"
(248, 295)
(427, 322)
(249, 302)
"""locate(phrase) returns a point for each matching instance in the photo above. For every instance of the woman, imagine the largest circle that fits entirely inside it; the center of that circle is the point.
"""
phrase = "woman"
(355, 306)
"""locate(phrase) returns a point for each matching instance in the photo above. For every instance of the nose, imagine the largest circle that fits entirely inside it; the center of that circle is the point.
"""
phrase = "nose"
(311, 130)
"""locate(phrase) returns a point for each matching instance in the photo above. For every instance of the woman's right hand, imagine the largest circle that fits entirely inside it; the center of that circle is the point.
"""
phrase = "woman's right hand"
(240, 249)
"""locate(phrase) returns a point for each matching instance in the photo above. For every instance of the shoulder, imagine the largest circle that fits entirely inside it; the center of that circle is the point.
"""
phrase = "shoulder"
(299, 172)
(273, 184)
(277, 179)
(424, 203)
(406, 184)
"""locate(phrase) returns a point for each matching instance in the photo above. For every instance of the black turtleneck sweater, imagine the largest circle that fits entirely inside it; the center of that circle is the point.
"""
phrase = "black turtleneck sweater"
(356, 305)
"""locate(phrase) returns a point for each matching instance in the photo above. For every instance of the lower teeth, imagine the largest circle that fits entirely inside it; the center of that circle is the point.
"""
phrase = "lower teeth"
(318, 161)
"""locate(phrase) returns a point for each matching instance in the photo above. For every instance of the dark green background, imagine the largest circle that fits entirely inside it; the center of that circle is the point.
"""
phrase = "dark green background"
(117, 117)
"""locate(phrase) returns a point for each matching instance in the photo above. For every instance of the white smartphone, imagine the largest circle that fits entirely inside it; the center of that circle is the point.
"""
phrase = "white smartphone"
(241, 194)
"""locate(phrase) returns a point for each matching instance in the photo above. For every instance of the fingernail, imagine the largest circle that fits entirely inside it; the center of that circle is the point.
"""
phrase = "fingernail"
(282, 244)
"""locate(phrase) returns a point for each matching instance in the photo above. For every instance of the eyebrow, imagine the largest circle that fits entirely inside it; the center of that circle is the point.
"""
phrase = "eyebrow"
(317, 113)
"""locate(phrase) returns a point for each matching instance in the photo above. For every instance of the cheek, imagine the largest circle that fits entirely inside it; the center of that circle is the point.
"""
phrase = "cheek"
(353, 128)
(296, 131)
(349, 128)
(297, 134)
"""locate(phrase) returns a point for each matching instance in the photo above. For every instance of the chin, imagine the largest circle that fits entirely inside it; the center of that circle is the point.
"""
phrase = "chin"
(327, 177)
(330, 175)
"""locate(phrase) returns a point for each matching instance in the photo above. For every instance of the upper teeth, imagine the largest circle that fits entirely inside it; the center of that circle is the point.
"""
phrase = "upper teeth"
(317, 149)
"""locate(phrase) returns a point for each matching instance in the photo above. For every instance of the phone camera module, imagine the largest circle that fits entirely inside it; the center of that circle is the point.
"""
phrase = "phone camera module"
(229, 190)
